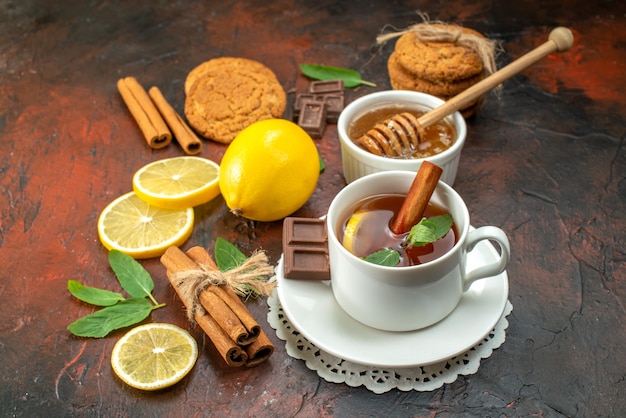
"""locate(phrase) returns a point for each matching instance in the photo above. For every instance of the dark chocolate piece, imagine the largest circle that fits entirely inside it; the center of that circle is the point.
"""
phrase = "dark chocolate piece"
(297, 104)
(306, 263)
(313, 117)
(334, 105)
(305, 249)
(326, 86)
(306, 230)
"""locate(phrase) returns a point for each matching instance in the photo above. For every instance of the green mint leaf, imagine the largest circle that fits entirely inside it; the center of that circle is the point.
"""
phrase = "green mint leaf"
(227, 256)
(123, 314)
(135, 280)
(443, 223)
(92, 295)
(322, 164)
(429, 230)
(385, 257)
(351, 78)
(421, 234)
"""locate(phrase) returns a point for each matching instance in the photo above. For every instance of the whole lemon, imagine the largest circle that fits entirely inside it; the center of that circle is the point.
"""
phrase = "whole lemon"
(269, 170)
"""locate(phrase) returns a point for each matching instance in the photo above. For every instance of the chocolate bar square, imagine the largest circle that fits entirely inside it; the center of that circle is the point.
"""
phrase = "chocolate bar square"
(326, 86)
(334, 105)
(305, 249)
(306, 263)
(313, 117)
(297, 104)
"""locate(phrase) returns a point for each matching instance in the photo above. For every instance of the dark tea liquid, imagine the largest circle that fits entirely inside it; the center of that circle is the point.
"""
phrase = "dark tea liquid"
(374, 233)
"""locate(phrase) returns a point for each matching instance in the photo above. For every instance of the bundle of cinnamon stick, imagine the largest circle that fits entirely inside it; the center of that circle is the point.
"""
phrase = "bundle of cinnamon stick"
(154, 115)
(218, 310)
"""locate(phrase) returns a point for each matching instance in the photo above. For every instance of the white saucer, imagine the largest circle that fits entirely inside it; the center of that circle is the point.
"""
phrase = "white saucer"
(313, 311)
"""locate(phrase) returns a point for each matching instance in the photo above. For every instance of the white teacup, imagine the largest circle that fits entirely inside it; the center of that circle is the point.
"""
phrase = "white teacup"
(413, 297)
(358, 162)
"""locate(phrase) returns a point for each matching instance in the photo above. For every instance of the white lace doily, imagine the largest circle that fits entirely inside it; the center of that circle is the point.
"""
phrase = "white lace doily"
(376, 379)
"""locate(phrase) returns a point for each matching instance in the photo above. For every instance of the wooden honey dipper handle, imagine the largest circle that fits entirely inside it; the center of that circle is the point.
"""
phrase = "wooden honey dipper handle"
(560, 39)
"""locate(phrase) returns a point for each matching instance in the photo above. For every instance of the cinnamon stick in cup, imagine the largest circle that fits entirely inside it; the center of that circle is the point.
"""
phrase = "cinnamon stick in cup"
(417, 198)
(175, 261)
(144, 112)
(184, 135)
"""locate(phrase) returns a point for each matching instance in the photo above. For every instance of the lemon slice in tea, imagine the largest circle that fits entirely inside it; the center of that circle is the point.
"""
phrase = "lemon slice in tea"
(141, 230)
(154, 356)
(178, 182)
(351, 231)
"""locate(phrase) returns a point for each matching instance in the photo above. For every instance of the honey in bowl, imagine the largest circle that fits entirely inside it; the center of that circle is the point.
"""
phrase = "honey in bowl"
(388, 131)
(370, 232)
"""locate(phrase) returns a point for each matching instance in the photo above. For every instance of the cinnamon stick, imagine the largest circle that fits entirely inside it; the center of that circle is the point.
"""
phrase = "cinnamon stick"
(235, 333)
(225, 317)
(261, 347)
(185, 136)
(259, 351)
(175, 261)
(228, 295)
(144, 112)
(414, 205)
(232, 354)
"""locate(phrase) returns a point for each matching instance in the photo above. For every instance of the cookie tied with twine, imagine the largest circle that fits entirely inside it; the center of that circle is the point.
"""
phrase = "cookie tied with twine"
(440, 59)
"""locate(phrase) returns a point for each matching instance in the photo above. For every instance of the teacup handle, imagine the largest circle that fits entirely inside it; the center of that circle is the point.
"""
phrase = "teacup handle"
(474, 237)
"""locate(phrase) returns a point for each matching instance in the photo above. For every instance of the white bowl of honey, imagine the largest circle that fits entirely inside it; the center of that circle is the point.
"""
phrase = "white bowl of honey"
(375, 132)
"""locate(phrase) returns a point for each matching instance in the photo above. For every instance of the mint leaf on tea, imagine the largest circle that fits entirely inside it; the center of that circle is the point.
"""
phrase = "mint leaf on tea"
(92, 295)
(385, 257)
(422, 234)
(429, 230)
(351, 78)
(132, 276)
(100, 323)
(442, 223)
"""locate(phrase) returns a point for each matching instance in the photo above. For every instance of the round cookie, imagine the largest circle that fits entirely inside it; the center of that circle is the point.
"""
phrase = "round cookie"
(228, 63)
(403, 79)
(438, 61)
(228, 98)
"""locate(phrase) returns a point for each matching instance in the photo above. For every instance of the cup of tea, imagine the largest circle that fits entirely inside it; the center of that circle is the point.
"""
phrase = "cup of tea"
(441, 143)
(415, 293)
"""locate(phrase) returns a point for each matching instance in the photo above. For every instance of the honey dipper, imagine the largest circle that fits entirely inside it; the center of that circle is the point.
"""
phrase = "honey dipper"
(400, 134)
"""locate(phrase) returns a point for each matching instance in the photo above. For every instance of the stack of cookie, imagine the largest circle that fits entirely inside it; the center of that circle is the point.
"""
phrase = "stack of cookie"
(226, 94)
(442, 69)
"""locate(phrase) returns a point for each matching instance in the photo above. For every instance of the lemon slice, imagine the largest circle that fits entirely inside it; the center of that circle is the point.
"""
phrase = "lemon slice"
(154, 356)
(141, 230)
(178, 182)
(352, 228)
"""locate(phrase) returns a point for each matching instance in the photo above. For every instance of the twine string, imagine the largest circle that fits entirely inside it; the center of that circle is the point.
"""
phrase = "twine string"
(435, 31)
(249, 277)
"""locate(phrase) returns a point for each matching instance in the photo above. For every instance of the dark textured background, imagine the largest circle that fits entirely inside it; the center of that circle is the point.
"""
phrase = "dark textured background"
(545, 160)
